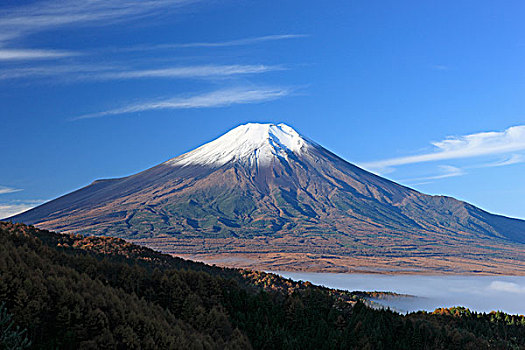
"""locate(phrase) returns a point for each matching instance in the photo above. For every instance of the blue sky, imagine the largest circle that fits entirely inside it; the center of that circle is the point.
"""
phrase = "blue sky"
(429, 94)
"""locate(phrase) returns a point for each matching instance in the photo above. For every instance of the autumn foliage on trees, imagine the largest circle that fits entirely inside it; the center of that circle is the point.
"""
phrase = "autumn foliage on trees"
(76, 292)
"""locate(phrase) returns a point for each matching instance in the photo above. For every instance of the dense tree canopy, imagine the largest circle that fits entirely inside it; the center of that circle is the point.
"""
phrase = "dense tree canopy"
(74, 292)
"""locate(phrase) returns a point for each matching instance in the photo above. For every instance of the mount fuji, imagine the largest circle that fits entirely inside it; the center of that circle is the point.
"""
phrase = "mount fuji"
(264, 196)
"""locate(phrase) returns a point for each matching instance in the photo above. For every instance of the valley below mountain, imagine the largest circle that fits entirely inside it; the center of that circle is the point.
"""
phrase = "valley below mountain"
(263, 196)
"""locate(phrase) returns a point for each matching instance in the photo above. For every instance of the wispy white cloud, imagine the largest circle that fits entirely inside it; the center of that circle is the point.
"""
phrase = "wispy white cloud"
(5, 189)
(17, 54)
(7, 210)
(457, 147)
(90, 72)
(189, 72)
(218, 98)
(32, 54)
(24, 20)
(45, 15)
(44, 71)
(203, 44)
(513, 159)
(445, 171)
(11, 208)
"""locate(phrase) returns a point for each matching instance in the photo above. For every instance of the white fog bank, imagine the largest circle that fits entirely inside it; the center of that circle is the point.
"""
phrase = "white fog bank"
(479, 293)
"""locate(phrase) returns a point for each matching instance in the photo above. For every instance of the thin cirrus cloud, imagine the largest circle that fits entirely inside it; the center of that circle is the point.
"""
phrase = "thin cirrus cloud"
(32, 54)
(62, 71)
(5, 189)
(24, 20)
(14, 207)
(467, 146)
(80, 72)
(7, 210)
(227, 43)
(189, 72)
(445, 171)
(218, 98)
(20, 21)
(513, 159)
(45, 15)
(12, 54)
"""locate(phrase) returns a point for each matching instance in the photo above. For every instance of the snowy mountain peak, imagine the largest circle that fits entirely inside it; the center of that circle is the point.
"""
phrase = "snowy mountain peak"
(250, 144)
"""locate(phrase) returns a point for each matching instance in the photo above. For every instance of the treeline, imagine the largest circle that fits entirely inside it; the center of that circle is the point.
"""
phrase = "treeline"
(72, 292)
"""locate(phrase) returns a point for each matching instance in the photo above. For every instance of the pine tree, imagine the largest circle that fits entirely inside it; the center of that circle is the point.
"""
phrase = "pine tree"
(11, 337)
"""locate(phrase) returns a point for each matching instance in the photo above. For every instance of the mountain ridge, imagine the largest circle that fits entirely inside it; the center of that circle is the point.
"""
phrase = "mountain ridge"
(249, 195)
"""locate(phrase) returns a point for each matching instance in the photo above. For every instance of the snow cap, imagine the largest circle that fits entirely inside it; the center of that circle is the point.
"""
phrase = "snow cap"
(250, 144)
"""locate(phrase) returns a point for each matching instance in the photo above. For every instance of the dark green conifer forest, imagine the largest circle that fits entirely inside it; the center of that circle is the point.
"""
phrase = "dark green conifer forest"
(75, 292)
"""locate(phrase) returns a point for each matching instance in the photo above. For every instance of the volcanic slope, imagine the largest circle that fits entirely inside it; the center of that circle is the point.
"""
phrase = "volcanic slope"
(264, 196)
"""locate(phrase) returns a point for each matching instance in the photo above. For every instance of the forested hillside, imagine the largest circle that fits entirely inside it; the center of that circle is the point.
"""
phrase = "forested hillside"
(74, 292)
